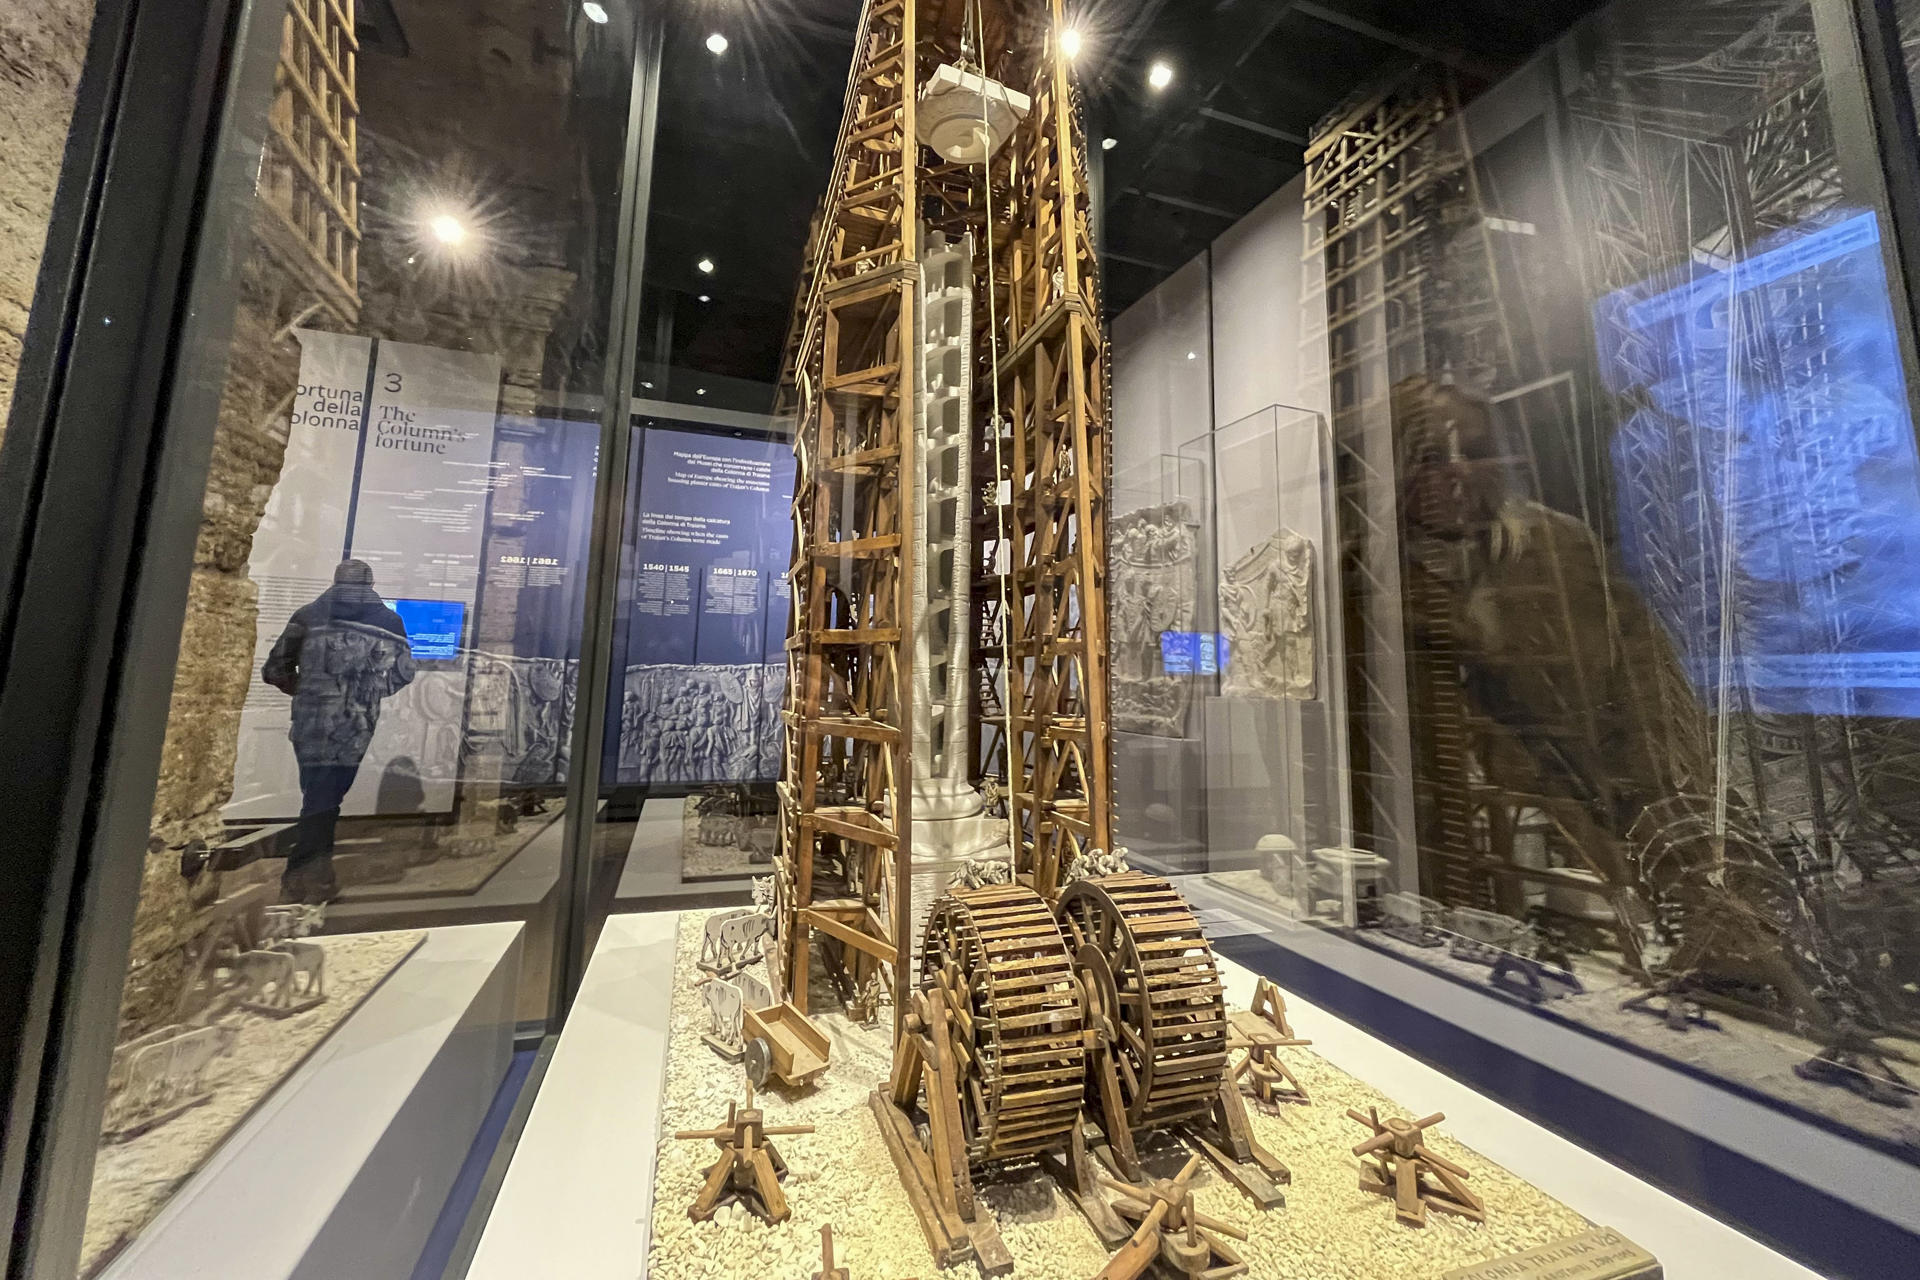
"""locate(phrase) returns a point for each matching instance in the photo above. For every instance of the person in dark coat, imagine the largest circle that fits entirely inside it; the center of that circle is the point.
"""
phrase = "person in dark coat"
(339, 658)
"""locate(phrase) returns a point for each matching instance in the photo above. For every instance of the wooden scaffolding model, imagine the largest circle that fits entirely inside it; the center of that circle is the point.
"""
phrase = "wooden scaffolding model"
(846, 814)
(310, 172)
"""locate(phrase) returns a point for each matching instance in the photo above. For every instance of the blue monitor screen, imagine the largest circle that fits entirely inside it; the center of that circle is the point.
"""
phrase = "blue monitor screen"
(1768, 486)
(1188, 653)
(433, 627)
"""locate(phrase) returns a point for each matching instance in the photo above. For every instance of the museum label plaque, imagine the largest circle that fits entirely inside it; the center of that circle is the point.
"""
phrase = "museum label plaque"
(1600, 1254)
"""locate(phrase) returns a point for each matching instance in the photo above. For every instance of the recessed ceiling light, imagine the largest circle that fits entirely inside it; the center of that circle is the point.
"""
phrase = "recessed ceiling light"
(593, 11)
(1160, 76)
(1193, 355)
(700, 391)
(705, 266)
(447, 229)
(716, 43)
(647, 385)
(1070, 42)
(1108, 144)
(706, 297)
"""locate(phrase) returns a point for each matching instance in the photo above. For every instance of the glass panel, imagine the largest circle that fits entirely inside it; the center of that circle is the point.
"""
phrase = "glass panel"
(362, 799)
(694, 739)
(1615, 504)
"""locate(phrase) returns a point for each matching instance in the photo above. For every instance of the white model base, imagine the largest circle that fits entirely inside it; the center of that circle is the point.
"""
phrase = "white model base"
(343, 1169)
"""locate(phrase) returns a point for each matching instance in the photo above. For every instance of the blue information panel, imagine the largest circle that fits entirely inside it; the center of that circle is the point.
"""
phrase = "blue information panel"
(704, 611)
(539, 522)
(710, 551)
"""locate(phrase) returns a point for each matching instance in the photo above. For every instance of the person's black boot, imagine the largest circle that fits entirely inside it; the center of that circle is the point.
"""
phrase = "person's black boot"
(310, 883)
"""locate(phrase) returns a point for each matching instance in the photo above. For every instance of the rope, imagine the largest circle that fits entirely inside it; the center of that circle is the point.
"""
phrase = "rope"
(1000, 508)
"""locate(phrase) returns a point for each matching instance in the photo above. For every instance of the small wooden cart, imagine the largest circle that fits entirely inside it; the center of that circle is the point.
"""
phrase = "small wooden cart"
(782, 1043)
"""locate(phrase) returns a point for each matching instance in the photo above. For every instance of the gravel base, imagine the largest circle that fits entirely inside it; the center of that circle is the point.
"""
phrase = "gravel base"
(132, 1180)
(842, 1175)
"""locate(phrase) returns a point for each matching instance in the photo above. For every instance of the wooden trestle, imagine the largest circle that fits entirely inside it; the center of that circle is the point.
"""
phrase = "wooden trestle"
(846, 793)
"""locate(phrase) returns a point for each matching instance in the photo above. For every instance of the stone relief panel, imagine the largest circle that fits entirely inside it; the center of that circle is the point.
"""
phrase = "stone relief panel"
(1152, 589)
(1268, 612)
(701, 724)
(520, 712)
(511, 720)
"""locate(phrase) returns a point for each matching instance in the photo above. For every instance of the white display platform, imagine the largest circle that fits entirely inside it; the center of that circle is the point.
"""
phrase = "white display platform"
(521, 884)
(578, 1195)
(342, 1170)
(577, 1198)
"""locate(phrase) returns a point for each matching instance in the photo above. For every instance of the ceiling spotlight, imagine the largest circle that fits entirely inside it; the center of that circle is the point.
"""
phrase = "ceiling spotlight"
(594, 12)
(700, 391)
(1070, 42)
(647, 385)
(1108, 144)
(1160, 75)
(447, 229)
(716, 43)
(1193, 355)
(705, 266)
(706, 297)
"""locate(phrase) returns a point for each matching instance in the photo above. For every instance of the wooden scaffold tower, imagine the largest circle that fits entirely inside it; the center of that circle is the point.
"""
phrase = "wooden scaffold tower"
(1032, 640)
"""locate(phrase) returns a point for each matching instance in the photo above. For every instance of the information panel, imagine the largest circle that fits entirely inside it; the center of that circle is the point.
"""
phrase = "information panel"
(707, 609)
(389, 460)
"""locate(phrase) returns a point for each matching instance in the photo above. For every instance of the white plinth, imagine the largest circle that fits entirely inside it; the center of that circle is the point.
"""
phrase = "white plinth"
(342, 1170)
(578, 1197)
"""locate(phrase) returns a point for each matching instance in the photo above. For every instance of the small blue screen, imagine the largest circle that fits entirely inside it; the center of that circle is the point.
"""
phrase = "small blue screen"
(1187, 653)
(433, 627)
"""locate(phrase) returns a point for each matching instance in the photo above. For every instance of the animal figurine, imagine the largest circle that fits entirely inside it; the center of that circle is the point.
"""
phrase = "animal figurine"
(725, 1006)
(309, 966)
(165, 1077)
(733, 941)
(265, 979)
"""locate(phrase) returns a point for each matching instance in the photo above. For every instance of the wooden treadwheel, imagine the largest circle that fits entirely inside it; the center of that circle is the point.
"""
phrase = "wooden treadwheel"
(1150, 971)
(998, 955)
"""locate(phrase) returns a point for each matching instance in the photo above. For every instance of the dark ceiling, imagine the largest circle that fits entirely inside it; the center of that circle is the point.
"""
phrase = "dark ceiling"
(745, 137)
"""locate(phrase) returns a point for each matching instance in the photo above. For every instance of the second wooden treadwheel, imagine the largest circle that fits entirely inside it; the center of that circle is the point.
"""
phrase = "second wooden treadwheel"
(1150, 970)
(999, 959)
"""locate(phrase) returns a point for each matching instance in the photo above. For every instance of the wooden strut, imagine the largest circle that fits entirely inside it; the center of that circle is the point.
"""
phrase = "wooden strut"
(749, 1168)
(1260, 1033)
(827, 1270)
(938, 1177)
(1172, 1231)
(1402, 1164)
(846, 790)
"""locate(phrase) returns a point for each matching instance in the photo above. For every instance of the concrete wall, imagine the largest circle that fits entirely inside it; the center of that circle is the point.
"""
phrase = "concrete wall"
(42, 44)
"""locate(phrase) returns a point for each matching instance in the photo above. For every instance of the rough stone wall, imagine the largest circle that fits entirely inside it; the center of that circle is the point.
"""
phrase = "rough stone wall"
(41, 47)
(217, 662)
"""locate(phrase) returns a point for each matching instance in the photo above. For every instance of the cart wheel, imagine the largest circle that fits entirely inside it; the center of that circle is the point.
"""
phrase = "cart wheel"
(759, 1062)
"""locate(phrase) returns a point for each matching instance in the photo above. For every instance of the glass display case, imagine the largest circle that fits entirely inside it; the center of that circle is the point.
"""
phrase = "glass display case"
(1619, 557)
(1005, 529)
